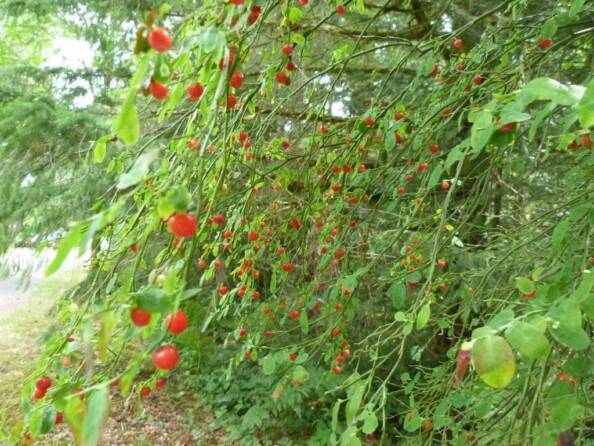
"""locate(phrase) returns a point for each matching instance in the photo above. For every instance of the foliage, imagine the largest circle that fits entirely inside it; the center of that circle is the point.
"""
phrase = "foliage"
(400, 223)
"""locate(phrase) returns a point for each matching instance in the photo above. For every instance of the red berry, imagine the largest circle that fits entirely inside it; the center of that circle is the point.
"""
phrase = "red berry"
(336, 370)
(177, 323)
(507, 128)
(336, 187)
(231, 100)
(223, 290)
(242, 331)
(218, 219)
(422, 167)
(282, 78)
(160, 40)
(288, 267)
(293, 356)
(280, 250)
(201, 264)
(340, 359)
(166, 357)
(182, 225)
(347, 353)
(254, 14)
(586, 141)
(236, 80)
(436, 69)
(139, 317)
(335, 331)
(434, 148)
(294, 314)
(545, 43)
(237, 2)
(361, 168)
(253, 236)
(158, 91)
(340, 9)
(39, 393)
(59, 418)
(195, 91)
(145, 391)
(295, 224)
(369, 121)
(160, 383)
(43, 383)
(256, 295)
(441, 263)
(458, 43)
(478, 80)
(303, 2)
(399, 116)
(287, 48)
(445, 184)
(230, 59)
(323, 129)
(218, 264)
(193, 144)
(267, 334)
(290, 66)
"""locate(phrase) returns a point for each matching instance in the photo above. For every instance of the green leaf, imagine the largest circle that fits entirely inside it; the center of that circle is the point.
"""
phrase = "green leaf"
(566, 412)
(96, 416)
(566, 327)
(559, 234)
(397, 292)
(349, 437)
(545, 89)
(423, 316)
(361, 7)
(180, 198)
(525, 285)
(300, 374)
(153, 300)
(74, 414)
(501, 319)
(126, 125)
(354, 402)
(538, 118)
(304, 322)
(456, 154)
(494, 361)
(370, 422)
(70, 241)
(482, 129)
(212, 40)
(100, 149)
(435, 176)
(412, 421)
(335, 410)
(165, 208)
(268, 364)
(136, 174)
(576, 7)
(586, 107)
(294, 14)
(549, 29)
(528, 340)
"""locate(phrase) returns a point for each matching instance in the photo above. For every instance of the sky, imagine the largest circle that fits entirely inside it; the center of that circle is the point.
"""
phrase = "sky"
(74, 54)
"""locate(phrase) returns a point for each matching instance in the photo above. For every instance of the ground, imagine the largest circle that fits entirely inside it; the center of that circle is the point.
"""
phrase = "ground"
(167, 417)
